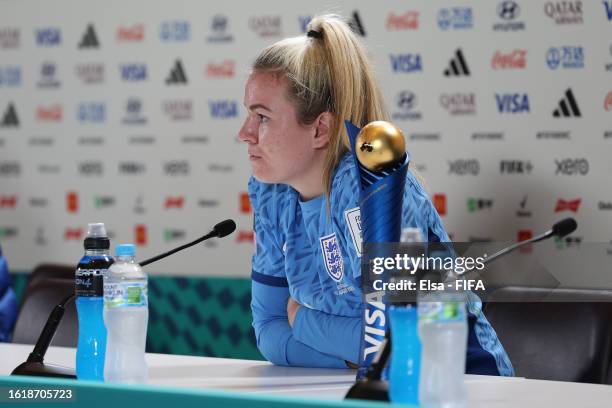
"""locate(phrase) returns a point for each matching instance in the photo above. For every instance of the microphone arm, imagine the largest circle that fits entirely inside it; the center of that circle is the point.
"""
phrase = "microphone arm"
(517, 245)
(220, 230)
(373, 388)
(34, 365)
(165, 254)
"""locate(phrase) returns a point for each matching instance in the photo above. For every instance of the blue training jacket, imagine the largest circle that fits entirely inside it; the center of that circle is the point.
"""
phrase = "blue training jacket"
(292, 258)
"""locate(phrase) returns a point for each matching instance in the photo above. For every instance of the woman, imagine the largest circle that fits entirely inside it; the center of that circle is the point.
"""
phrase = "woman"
(302, 190)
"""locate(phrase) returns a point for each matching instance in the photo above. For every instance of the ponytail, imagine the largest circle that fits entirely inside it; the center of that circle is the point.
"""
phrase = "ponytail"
(327, 70)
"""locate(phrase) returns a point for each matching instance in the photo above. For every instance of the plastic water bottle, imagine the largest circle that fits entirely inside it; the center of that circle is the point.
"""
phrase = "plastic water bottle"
(443, 331)
(89, 291)
(126, 314)
(405, 355)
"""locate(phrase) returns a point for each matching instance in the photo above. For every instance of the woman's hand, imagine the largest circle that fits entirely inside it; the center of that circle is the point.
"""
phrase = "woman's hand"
(292, 309)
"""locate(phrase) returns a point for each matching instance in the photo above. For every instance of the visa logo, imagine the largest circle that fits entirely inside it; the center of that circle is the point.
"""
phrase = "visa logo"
(406, 62)
(512, 103)
(133, 72)
(223, 109)
(48, 36)
(303, 21)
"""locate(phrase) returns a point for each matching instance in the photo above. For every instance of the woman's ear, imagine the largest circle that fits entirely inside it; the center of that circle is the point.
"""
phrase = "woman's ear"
(323, 126)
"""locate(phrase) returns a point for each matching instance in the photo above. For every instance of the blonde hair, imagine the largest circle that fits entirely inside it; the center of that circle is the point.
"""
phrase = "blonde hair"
(327, 70)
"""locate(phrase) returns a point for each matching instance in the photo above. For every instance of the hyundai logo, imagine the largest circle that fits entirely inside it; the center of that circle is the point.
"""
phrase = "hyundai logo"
(406, 100)
(508, 10)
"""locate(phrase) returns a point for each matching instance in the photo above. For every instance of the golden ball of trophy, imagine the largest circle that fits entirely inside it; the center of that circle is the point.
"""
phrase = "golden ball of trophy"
(380, 145)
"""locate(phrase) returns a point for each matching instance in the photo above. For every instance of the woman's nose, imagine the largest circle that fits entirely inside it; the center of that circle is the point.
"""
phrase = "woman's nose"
(248, 132)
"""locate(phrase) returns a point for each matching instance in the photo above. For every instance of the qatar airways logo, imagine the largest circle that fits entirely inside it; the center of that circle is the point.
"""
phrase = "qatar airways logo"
(515, 59)
(459, 103)
(266, 26)
(564, 12)
(225, 69)
(10, 37)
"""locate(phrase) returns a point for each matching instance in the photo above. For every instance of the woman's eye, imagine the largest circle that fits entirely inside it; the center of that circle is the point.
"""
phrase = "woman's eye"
(262, 118)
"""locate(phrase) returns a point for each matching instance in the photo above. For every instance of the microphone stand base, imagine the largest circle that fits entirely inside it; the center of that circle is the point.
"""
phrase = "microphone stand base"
(373, 390)
(40, 369)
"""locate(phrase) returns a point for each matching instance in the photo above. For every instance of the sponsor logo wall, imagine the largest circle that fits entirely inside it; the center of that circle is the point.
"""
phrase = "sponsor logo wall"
(131, 118)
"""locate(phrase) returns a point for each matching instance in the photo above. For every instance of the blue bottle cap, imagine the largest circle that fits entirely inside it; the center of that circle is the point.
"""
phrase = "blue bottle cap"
(125, 250)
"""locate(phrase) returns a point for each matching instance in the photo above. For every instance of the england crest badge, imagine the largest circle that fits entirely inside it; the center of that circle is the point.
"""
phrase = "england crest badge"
(332, 257)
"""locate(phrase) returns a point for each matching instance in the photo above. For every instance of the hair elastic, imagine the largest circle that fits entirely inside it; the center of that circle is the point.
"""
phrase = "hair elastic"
(314, 34)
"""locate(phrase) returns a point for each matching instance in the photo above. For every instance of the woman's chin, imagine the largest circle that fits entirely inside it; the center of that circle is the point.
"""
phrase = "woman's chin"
(264, 176)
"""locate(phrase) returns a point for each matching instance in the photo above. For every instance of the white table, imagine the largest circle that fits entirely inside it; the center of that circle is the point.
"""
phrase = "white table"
(265, 378)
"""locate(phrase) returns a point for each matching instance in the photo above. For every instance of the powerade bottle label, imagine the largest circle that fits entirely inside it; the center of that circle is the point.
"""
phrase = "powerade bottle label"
(89, 282)
(125, 294)
(433, 312)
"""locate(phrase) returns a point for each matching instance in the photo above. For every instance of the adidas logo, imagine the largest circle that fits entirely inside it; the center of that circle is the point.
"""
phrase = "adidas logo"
(89, 40)
(568, 107)
(457, 66)
(10, 117)
(356, 25)
(177, 74)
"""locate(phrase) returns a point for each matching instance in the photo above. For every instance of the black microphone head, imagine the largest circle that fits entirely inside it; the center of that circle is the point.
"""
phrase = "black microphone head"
(564, 227)
(224, 228)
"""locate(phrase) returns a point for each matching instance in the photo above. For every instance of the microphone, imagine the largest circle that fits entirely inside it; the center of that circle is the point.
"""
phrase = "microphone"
(35, 366)
(222, 229)
(373, 388)
(559, 229)
(564, 227)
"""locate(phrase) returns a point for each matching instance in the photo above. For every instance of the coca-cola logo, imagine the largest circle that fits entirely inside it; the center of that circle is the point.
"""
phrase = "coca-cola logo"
(608, 102)
(51, 113)
(225, 69)
(406, 21)
(133, 33)
(515, 59)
